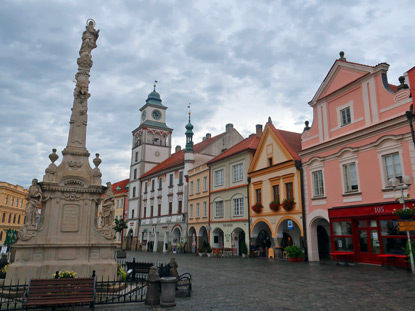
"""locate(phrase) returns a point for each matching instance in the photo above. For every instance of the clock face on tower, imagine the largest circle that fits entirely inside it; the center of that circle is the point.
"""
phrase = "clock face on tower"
(156, 114)
(144, 115)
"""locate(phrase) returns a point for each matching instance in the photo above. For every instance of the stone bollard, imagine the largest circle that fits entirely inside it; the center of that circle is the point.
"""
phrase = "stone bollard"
(153, 289)
(168, 291)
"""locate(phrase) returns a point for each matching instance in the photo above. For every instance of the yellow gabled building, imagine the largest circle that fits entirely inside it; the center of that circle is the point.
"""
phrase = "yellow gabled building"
(12, 208)
(275, 191)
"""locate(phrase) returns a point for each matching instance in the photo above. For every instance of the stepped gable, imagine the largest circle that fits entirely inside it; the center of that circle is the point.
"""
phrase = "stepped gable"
(250, 143)
(178, 158)
(290, 140)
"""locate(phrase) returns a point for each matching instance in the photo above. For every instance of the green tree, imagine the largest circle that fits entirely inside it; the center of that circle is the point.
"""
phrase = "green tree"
(120, 225)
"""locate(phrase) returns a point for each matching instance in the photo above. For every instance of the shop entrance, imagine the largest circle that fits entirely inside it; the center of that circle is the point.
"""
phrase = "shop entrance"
(368, 244)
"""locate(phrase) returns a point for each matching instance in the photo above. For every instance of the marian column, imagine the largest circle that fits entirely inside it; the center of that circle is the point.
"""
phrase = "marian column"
(66, 235)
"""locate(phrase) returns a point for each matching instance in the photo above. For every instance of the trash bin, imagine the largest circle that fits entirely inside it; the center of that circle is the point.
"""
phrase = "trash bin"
(168, 291)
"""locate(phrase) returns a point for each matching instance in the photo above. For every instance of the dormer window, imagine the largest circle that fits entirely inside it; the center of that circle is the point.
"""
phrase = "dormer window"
(345, 116)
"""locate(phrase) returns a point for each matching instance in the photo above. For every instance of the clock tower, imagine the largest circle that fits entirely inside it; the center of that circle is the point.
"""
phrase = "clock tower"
(151, 146)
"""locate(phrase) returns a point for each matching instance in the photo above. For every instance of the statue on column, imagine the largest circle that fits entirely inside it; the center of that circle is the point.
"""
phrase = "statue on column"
(108, 207)
(89, 38)
(34, 197)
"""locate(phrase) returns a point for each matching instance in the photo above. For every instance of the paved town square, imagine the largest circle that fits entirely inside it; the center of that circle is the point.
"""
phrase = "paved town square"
(273, 284)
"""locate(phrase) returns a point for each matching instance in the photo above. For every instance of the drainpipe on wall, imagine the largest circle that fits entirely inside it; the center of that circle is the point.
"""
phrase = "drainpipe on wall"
(249, 216)
(299, 167)
(209, 210)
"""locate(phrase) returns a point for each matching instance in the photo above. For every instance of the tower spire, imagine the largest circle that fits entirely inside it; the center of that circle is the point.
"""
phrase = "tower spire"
(189, 134)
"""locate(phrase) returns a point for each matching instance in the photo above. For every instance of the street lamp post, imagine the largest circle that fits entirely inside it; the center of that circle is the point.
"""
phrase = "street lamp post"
(406, 183)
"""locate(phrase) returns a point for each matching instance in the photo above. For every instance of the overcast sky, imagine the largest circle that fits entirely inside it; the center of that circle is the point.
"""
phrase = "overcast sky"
(235, 61)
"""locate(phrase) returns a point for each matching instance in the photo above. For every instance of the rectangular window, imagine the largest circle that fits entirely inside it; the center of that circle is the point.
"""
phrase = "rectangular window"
(345, 116)
(318, 184)
(219, 178)
(198, 185)
(5, 199)
(18, 220)
(145, 187)
(191, 211)
(238, 207)
(133, 192)
(258, 196)
(136, 156)
(180, 207)
(145, 212)
(135, 173)
(197, 210)
(237, 172)
(170, 208)
(171, 180)
(118, 203)
(191, 188)
(350, 177)
(11, 201)
(152, 185)
(21, 203)
(160, 182)
(269, 161)
(4, 217)
(393, 166)
(219, 209)
(343, 240)
(17, 202)
(289, 190)
(10, 217)
(204, 209)
(205, 184)
(159, 210)
(151, 210)
(276, 193)
(180, 178)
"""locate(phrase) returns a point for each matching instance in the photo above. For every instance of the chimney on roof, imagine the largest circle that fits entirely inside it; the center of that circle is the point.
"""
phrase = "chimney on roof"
(269, 120)
(178, 148)
(258, 130)
(208, 136)
(229, 127)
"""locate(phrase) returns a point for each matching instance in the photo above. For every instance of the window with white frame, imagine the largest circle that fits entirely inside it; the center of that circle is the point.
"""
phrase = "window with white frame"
(197, 210)
(345, 116)
(6, 197)
(191, 211)
(392, 164)
(205, 185)
(204, 209)
(237, 172)
(238, 207)
(11, 201)
(350, 177)
(191, 187)
(219, 178)
(318, 183)
(198, 185)
(219, 213)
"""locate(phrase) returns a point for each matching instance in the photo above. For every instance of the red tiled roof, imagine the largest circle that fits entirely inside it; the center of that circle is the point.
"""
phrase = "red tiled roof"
(178, 157)
(122, 185)
(250, 143)
(290, 140)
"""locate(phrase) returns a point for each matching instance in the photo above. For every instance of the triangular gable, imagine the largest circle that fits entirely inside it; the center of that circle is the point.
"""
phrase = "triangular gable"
(341, 73)
(272, 143)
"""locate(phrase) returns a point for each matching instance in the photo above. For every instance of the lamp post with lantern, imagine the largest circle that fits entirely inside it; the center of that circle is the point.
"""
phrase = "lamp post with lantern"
(406, 183)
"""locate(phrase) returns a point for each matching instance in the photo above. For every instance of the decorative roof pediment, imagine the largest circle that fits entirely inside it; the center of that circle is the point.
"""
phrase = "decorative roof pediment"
(341, 74)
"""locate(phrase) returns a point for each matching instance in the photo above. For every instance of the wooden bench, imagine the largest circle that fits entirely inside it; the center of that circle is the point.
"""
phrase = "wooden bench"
(60, 292)
(184, 283)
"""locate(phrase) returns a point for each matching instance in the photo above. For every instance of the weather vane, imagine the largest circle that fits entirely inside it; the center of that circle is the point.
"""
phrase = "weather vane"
(188, 106)
(155, 84)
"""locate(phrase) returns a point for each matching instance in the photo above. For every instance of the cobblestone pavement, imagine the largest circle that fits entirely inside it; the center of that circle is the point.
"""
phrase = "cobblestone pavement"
(272, 284)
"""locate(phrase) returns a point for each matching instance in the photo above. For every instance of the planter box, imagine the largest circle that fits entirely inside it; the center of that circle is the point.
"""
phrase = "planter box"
(295, 259)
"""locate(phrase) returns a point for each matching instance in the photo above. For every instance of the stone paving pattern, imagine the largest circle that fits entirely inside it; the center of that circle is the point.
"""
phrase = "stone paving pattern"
(273, 284)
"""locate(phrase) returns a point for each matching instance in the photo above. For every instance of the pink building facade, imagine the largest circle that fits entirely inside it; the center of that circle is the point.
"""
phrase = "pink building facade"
(359, 139)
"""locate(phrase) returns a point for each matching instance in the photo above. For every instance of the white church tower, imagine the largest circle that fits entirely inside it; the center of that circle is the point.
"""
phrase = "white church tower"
(151, 146)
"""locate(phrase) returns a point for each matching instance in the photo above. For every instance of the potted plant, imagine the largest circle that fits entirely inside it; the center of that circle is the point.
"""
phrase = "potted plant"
(405, 213)
(294, 253)
(121, 273)
(274, 205)
(257, 208)
(3, 271)
(208, 250)
(288, 204)
(244, 249)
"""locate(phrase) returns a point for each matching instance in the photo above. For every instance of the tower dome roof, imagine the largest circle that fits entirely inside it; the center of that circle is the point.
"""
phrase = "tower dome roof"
(154, 98)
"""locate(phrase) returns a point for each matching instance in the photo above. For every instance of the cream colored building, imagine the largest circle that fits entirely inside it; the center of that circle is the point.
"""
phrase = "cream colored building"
(12, 208)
